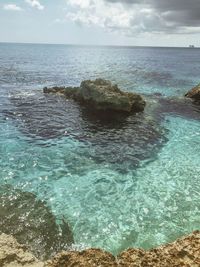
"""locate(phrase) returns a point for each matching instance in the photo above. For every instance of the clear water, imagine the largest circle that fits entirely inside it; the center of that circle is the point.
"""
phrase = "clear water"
(119, 182)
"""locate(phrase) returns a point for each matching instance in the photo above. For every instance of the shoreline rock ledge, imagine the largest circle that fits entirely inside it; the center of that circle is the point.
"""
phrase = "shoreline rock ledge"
(184, 252)
(101, 95)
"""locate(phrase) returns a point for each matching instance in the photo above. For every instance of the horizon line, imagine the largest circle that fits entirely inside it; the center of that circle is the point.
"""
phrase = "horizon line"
(99, 45)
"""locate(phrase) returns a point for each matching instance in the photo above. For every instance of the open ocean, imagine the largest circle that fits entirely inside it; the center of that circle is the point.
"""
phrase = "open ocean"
(119, 182)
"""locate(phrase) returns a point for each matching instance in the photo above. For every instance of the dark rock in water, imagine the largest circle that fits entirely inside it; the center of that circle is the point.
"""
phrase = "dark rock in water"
(69, 92)
(157, 94)
(194, 93)
(102, 95)
(118, 138)
(42, 116)
(31, 222)
(123, 140)
(178, 106)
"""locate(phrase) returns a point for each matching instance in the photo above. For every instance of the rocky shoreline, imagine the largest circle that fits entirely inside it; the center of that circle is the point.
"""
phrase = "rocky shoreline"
(183, 252)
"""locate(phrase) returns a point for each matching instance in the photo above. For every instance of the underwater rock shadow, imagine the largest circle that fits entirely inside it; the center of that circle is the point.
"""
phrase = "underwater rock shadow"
(124, 139)
(115, 137)
(184, 108)
(41, 117)
(140, 136)
(31, 222)
(176, 106)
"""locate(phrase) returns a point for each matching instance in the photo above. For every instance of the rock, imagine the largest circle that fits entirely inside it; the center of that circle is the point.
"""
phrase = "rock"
(86, 258)
(102, 95)
(69, 92)
(178, 106)
(183, 252)
(12, 254)
(31, 222)
(130, 138)
(194, 93)
(105, 96)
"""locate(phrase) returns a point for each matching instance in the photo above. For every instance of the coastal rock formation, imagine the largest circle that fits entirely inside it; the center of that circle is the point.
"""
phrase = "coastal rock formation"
(130, 138)
(102, 95)
(31, 222)
(12, 254)
(86, 258)
(183, 252)
(194, 93)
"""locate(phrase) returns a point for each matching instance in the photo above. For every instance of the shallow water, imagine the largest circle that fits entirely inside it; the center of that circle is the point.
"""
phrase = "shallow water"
(119, 182)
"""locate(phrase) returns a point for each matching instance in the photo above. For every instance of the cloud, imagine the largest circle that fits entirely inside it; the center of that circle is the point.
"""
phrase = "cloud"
(35, 4)
(12, 7)
(138, 16)
(179, 13)
(81, 3)
(97, 12)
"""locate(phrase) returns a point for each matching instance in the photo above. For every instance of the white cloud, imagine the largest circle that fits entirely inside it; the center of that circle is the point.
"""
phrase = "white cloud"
(12, 7)
(137, 16)
(80, 3)
(58, 20)
(112, 17)
(83, 18)
(35, 4)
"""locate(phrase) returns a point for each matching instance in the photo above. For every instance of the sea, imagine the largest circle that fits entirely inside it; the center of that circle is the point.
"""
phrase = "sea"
(119, 181)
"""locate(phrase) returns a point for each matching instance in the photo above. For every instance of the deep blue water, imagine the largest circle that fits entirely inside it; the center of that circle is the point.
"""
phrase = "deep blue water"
(119, 182)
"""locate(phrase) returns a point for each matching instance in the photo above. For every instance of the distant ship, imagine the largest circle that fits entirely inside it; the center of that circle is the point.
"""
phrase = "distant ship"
(191, 46)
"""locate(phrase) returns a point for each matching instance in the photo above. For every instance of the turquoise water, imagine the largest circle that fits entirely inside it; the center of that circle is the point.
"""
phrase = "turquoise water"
(119, 182)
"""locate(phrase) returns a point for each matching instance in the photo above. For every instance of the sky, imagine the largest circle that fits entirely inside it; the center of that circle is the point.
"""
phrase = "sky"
(101, 22)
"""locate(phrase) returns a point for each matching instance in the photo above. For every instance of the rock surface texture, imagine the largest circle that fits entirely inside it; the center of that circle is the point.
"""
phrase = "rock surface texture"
(194, 93)
(12, 254)
(184, 252)
(89, 258)
(101, 95)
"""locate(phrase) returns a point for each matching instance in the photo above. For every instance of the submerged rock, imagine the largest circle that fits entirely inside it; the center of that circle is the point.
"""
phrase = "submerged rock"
(31, 222)
(111, 137)
(194, 93)
(12, 254)
(176, 106)
(102, 95)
